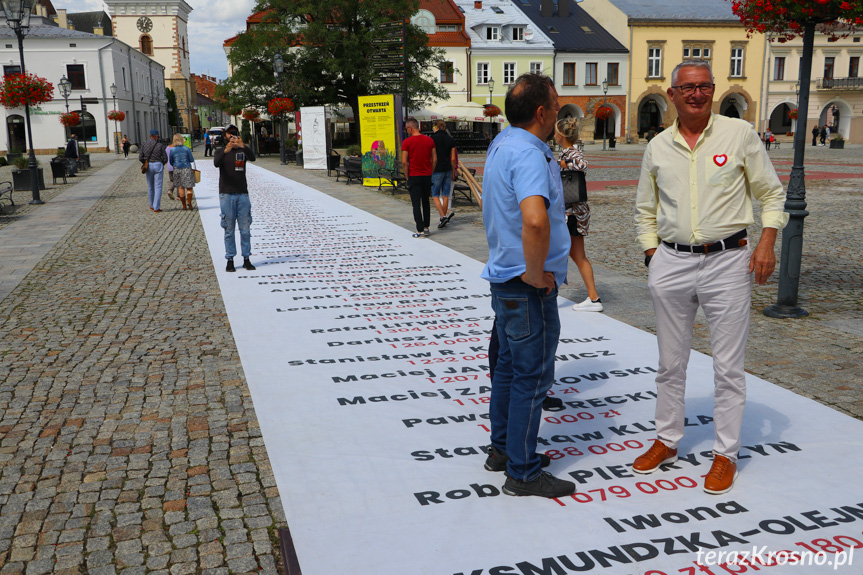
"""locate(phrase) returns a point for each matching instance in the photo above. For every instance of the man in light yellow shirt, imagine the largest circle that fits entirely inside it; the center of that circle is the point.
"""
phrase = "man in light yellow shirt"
(693, 206)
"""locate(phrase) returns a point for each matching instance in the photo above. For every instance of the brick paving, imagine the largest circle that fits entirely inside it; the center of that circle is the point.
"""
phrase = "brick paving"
(128, 439)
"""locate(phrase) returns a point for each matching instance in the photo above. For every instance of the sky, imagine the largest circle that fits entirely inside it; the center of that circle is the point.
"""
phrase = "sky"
(210, 24)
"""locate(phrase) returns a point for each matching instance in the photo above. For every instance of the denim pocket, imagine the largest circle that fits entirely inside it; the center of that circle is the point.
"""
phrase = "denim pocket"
(514, 313)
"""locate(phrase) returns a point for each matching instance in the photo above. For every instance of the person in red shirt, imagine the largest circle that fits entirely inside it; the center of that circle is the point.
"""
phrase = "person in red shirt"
(419, 158)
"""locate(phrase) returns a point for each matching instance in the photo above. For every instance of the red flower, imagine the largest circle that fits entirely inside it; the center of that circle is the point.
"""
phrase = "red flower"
(116, 116)
(251, 115)
(845, 6)
(603, 113)
(70, 119)
(279, 106)
(491, 111)
(19, 89)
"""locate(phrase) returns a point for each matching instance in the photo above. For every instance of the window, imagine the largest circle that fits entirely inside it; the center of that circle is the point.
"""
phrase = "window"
(654, 62)
(779, 68)
(13, 69)
(736, 62)
(482, 73)
(508, 73)
(829, 63)
(536, 67)
(146, 45)
(424, 20)
(492, 33)
(518, 34)
(447, 28)
(696, 51)
(75, 74)
(613, 74)
(447, 72)
(569, 74)
(854, 67)
(590, 74)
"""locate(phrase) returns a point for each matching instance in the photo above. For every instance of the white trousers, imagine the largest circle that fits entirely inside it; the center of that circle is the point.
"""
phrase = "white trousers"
(721, 284)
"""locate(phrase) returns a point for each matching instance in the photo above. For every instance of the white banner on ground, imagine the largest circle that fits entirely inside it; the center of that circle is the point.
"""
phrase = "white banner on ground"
(314, 137)
(365, 352)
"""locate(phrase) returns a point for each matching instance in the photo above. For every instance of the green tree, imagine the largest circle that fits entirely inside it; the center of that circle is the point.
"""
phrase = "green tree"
(328, 48)
(173, 115)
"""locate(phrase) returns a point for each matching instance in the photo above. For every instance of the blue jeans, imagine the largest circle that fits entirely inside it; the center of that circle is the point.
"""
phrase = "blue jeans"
(441, 183)
(155, 173)
(236, 211)
(528, 327)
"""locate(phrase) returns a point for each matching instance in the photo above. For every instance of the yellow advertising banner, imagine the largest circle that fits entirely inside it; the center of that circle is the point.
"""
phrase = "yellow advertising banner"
(378, 136)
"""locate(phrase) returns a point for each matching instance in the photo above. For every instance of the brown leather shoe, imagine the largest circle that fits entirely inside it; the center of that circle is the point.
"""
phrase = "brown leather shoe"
(720, 478)
(658, 454)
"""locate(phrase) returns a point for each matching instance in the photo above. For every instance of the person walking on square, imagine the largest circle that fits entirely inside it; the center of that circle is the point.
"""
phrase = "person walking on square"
(823, 135)
(184, 178)
(126, 145)
(169, 168)
(445, 172)
(234, 196)
(71, 154)
(577, 214)
(418, 164)
(208, 144)
(815, 132)
(529, 247)
(693, 205)
(153, 153)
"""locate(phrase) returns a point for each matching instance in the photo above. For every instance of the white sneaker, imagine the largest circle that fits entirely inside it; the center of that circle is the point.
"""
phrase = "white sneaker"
(589, 305)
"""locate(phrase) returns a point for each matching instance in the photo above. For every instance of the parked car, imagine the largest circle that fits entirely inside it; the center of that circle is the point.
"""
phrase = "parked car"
(217, 133)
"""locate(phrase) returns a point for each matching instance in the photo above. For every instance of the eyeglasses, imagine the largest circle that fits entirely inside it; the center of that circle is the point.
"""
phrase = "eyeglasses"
(689, 89)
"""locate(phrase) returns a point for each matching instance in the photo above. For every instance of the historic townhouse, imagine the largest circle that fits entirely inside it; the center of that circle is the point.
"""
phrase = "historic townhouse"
(587, 58)
(835, 91)
(444, 23)
(505, 43)
(661, 33)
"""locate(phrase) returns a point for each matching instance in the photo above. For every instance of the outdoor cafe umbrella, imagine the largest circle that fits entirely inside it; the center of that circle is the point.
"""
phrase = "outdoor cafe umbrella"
(470, 111)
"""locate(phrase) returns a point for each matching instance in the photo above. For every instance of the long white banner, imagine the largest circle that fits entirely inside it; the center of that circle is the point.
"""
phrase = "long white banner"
(365, 352)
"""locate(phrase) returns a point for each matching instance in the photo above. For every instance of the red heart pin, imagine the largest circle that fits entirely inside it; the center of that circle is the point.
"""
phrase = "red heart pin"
(720, 160)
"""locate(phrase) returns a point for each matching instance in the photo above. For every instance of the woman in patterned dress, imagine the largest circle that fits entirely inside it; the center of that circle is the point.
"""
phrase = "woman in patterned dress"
(577, 214)
(184, 177)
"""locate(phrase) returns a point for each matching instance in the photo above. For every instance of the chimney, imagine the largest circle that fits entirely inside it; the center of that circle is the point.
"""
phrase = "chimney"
(563, 8)
(477, 4)
(62, 22)
(98, 30)
(546, 8)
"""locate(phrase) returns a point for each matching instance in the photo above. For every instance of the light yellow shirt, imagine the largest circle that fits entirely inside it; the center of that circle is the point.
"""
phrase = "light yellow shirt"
(705, 195)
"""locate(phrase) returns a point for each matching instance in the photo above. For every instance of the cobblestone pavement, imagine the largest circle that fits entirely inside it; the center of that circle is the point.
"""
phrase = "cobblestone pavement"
(128, 440)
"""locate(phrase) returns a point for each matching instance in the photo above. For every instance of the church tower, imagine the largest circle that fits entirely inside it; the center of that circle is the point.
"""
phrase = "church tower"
(159, 28)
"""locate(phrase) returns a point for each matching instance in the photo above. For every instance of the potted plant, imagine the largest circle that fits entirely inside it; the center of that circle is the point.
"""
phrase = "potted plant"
(838, 141)
(21, 175)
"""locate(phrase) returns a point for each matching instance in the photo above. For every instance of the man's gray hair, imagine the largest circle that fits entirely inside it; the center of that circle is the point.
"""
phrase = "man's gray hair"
(690, 64)
(412, 123)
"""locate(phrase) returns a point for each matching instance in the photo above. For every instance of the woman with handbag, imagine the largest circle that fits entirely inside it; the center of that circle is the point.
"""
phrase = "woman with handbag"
(184, 176)
(578, 212)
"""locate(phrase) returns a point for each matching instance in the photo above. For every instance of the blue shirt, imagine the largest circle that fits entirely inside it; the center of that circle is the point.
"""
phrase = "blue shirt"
(181, 157)
(520, 165)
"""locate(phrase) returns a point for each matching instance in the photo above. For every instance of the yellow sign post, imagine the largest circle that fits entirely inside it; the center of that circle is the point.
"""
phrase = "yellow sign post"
(380, 122)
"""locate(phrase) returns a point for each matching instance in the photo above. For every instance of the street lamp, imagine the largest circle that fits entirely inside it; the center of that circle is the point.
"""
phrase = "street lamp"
(18, 18)
(490, 89)
(114, 97)
(65, 90)
(604, 105)
(279, 69)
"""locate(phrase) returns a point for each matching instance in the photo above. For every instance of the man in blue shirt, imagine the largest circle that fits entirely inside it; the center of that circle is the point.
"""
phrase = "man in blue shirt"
(529, 245)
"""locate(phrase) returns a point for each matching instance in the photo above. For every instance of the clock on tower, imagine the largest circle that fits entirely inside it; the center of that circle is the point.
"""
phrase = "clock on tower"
(145, 24)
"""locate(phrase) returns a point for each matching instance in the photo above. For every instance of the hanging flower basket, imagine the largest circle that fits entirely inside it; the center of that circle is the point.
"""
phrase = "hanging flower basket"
(19, 89)
(786, 19)
(603, 113)
(116, 116)
(279, 106)
(491, 111)
(70, 119)
(251, 115)
(793, 113)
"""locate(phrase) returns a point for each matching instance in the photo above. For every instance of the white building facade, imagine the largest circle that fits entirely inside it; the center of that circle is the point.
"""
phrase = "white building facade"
(92, 63)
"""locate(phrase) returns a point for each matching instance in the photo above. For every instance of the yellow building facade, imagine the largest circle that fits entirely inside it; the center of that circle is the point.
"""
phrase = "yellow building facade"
(659, 35)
